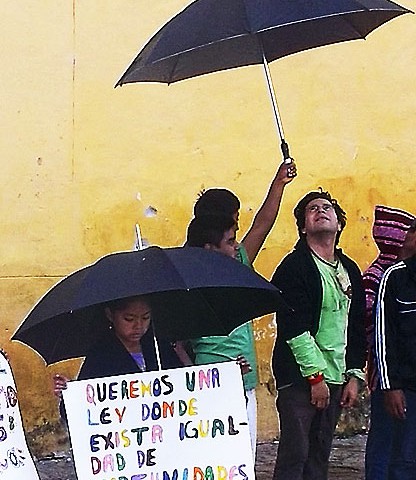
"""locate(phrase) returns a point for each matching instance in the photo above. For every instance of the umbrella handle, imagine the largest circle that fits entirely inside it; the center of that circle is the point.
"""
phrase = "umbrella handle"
(285, 151)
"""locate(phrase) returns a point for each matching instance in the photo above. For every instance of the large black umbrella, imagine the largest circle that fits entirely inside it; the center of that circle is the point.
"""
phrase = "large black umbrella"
(193, 292)
(213, 35)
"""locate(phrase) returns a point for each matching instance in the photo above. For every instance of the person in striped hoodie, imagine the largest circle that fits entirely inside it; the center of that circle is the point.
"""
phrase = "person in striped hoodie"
(395, 347)
(390, 230)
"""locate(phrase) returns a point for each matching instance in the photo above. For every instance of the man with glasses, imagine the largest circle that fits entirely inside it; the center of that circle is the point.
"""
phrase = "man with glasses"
(319, 354)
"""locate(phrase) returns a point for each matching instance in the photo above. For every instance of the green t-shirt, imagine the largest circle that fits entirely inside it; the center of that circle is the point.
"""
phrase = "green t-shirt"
(326, 352)
(224, 348)
(331, 337)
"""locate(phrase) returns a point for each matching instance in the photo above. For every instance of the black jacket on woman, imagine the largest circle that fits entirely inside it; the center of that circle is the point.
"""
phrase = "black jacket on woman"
(108, 357)
(299, 280)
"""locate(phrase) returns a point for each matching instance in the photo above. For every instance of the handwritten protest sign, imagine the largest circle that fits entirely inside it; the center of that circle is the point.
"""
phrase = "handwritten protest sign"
(15, 460)
(180, 424)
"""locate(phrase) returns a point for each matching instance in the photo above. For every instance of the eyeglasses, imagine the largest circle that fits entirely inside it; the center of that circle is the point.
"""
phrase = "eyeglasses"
(315, 208)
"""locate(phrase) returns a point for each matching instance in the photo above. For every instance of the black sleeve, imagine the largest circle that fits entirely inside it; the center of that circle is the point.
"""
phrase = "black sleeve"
(386, 334)
(356, 340)
(290, 278)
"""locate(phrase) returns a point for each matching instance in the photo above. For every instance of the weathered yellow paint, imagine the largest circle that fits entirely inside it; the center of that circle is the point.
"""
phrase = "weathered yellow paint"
(82, 161)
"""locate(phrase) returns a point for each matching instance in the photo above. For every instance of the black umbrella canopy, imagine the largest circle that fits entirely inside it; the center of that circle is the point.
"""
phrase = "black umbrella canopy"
(192, 292)
(213, 35)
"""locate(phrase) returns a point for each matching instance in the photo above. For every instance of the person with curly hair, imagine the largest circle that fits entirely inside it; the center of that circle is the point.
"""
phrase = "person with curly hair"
(319, 354)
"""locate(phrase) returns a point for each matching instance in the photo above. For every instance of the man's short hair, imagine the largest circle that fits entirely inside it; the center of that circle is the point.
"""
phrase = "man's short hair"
(216, 201)
(300, 209)
(208, 229)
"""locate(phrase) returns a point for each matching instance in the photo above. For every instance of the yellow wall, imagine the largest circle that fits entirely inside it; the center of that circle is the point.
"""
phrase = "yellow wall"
(81, 161)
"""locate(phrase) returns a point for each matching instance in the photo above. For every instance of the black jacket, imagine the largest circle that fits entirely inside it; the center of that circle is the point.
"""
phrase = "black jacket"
(109, 357)
(395, 339)
(299, 280)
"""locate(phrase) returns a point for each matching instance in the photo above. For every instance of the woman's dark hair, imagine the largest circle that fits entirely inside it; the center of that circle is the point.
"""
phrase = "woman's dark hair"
(216, 201)
(122, 303)
(300, 209)
(208, 229)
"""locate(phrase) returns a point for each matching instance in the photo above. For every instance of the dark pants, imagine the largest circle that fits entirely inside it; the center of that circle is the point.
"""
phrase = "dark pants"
(378, 447)
(305, 434)
(403, 452)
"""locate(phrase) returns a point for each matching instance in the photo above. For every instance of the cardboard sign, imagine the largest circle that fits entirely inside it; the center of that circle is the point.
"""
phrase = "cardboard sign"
(15, 460)
(180, 424)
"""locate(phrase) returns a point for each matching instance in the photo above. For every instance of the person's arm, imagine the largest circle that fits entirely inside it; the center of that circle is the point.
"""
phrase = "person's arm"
(295, 277)
(244, 364)
(60, 382)
(355, 356)
(181, 351)
(395, 403)
(350, 393)
(320, 395)
(307, 354)
(386, 351)
(267, 213)
(386, 321)
(295, 324)
(370, 285)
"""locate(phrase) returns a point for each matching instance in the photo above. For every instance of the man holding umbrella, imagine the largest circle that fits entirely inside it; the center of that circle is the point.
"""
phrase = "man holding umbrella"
(214, 227)
(220, 201)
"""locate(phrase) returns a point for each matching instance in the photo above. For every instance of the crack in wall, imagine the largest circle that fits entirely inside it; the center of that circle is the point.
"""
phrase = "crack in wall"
(5, 277)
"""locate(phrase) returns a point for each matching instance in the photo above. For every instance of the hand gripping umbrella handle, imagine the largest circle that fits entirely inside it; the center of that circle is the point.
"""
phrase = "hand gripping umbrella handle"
(285, 151)
(286, 157)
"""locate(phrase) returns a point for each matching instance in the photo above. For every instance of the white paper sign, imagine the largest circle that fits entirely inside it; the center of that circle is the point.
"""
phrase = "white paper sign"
(15, 460)
(179, 424)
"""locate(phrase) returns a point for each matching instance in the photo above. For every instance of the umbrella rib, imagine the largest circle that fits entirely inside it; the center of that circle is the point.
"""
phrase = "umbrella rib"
(187, 50)
(171, 76)
(320, 18)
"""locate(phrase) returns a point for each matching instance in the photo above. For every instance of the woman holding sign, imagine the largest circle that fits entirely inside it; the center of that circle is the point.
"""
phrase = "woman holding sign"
(127, 347)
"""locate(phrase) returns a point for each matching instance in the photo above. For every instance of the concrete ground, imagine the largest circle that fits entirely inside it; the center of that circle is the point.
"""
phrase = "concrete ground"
(347, 459)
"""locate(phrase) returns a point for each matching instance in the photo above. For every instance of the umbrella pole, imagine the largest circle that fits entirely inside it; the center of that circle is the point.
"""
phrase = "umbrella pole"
(283, 145)
(139, 240)
(159, 364)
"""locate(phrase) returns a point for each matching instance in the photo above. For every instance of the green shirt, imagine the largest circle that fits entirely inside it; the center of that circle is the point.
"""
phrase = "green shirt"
(224, 348)
(326, 352)
(331, 337)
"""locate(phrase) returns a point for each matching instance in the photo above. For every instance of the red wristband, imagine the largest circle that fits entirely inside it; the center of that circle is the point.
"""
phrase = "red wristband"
(315, 378)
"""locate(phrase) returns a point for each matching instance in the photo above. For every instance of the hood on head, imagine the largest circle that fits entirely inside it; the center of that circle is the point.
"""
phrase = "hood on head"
(390, 228)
